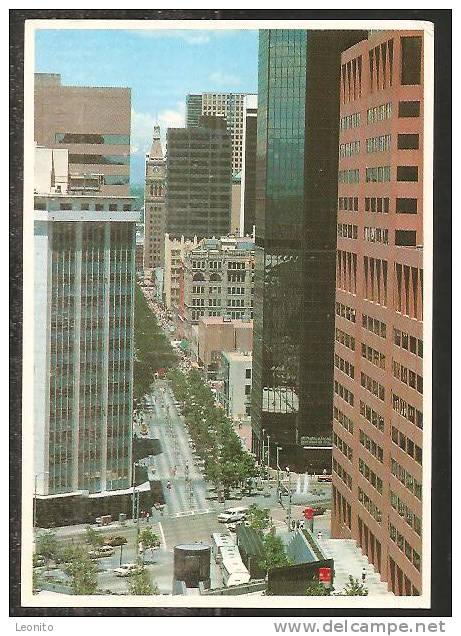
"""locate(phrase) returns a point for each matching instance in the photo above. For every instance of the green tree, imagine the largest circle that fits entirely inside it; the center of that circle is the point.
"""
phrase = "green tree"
(354, 588)
(94, 538)
(315, 588)
(141, 584)
(36, 581)
(258, 518)
(116, 541)
(149, 539)
(274, 553)
(83, 573)
(47, 545)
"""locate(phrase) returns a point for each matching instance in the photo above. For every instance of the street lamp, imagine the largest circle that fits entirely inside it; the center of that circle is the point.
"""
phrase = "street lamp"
(34, 514)
(279, 448)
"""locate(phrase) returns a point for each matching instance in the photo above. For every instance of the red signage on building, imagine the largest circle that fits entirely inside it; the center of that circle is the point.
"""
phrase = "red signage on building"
(309, 513)
(325, 575)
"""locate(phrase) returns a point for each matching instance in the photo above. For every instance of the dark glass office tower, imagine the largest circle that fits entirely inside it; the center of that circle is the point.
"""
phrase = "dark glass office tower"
(193, 110)
(199, 172)
(296, 202)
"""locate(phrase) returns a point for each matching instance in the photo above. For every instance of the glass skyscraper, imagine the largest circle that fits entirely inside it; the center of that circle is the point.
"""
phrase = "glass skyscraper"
(296, 192)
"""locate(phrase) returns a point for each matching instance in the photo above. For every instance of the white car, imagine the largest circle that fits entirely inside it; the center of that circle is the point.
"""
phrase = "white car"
(128, 569)
(232, 515)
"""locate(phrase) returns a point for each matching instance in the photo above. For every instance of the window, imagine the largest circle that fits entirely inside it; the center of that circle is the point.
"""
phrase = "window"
(407, 173)
(99, 207)
(408, 142)
(409, 109)
(65, 206)
(405, 238)
(406, 206)
(411, 60)
(247, 389)
(248, 374)
(84, 206)
(112, 207)
(127, 207)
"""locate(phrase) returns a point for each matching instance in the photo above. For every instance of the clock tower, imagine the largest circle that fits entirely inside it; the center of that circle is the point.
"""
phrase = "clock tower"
(154, 206)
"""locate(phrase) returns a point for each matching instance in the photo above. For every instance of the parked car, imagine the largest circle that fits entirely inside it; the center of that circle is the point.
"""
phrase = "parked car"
(128, 569)
(101, 552)
(233, 515)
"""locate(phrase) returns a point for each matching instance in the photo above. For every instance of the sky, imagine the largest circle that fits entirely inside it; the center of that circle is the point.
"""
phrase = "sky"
(160, 66)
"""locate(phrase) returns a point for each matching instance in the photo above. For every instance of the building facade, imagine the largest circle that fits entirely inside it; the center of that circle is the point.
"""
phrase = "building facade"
(378, 387)
(235, 374)
(296, 193)
(93, 123)
(227, 105)
(216, 334)
(154, 206)
(218, 279)
(84, 251)
(248, 175)
(175, 251)
(198, 194)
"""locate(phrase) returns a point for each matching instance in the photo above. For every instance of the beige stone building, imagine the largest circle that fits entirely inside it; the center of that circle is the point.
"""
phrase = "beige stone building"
(236, 205)
(218, 280)
(93, 123)
(154, 206)
(174, 251)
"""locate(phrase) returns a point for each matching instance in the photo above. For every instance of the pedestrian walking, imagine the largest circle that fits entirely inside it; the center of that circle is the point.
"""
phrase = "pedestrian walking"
(364, 575)
(147, 516)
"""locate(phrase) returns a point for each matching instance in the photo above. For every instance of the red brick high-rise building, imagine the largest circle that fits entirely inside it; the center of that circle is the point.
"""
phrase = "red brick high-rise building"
(378, 383)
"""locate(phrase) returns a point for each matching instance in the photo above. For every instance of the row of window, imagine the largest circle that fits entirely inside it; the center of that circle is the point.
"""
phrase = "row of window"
(349, 176)
(378, 174)
(379, 113)
(344, 393)
(382, 143)
(405, 547)
(372, 416)
(349, 149)
(345, 421)
(371, 446)
(98, 207)
(344, 311)
(409, 343)
(407, 445)
(371, 476)
(349, 121)
(379, 205)
(405, 511)
(345, 366)
(374, 325)
(344, 448)
(346, 230)
(373, 356)
(373, 386)
(348, 203)
(370, 506)
(407, 376)
(342, 474)
(407, 479)
(376, 235)
(406, 410)
(345, 339)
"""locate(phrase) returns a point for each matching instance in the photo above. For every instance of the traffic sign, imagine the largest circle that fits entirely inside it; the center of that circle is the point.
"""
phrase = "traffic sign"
(325, 575)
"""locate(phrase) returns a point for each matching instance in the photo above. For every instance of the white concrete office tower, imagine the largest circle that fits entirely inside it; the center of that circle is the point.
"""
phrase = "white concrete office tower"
(248, 174)
(84, 272)
(228, 105)
(235, 373)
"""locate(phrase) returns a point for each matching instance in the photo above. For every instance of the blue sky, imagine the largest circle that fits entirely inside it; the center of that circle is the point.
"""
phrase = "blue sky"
(160, 66)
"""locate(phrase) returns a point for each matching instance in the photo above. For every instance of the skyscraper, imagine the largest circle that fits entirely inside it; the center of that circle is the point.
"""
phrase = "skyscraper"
(198, 194)
(296, 192)
(378, 388)
(154, 205)
(227, 105)
(84, 264)
(248, 175)
(93, 123)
